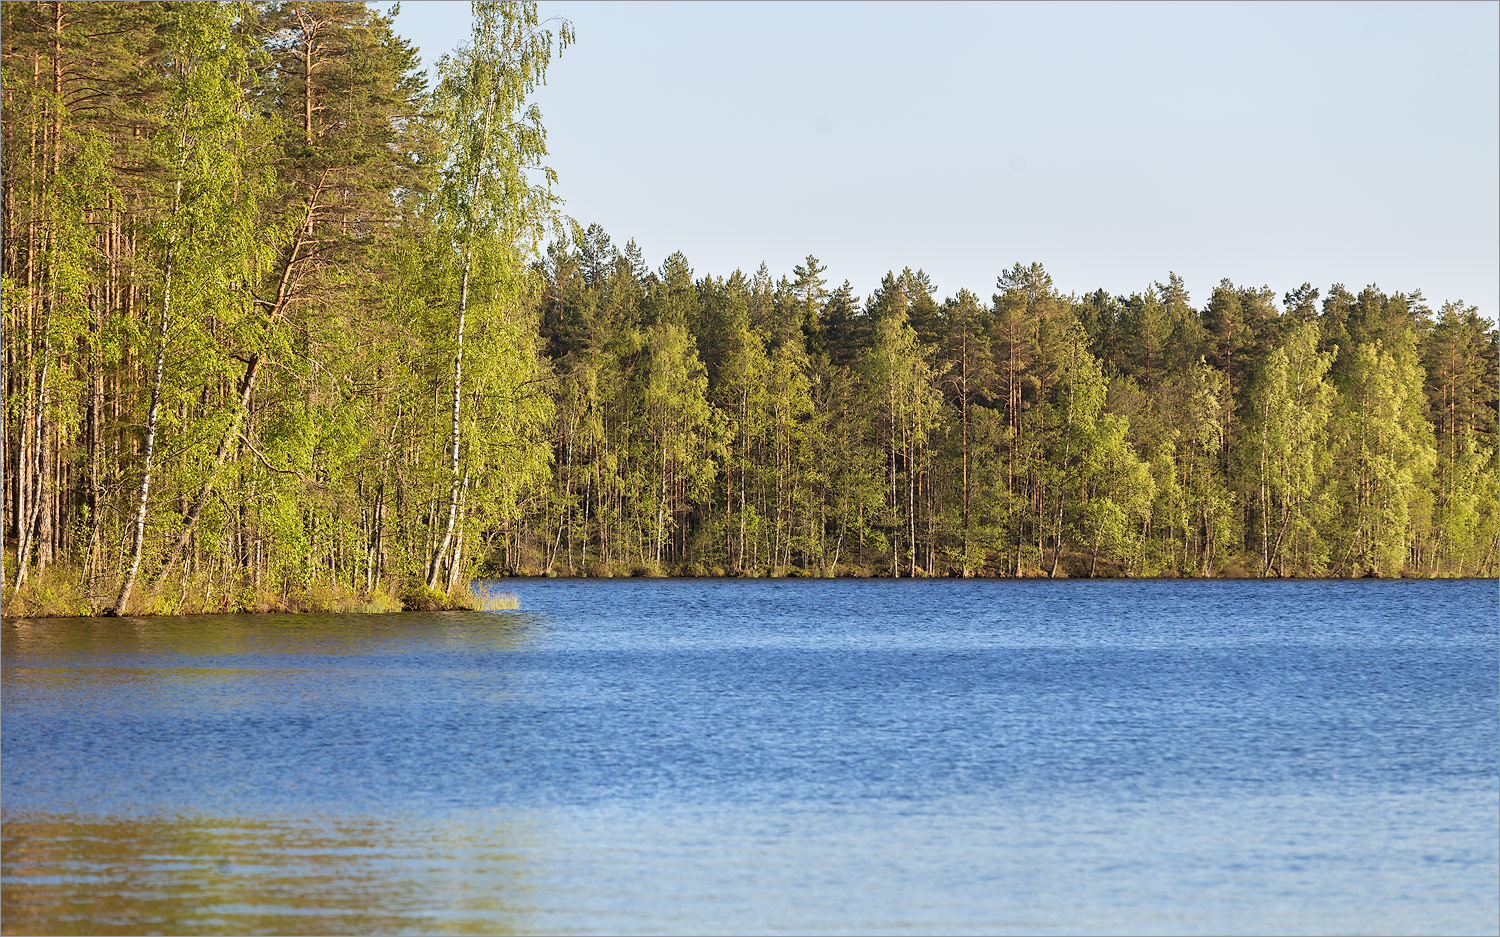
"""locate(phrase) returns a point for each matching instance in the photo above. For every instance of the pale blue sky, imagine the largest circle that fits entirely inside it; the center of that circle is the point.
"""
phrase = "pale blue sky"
(1268, 143)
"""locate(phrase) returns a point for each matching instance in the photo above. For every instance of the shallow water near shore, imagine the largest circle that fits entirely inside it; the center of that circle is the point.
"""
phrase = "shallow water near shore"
(761, 756)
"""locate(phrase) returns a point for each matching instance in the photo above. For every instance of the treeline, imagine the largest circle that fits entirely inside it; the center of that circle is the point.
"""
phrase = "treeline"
(280, 331)
(752, 426)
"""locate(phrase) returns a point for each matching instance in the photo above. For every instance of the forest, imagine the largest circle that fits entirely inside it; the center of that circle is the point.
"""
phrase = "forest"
(286, 329)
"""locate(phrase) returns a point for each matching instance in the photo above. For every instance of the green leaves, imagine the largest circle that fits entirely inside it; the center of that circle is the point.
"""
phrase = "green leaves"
(373, 375)
(481, 105)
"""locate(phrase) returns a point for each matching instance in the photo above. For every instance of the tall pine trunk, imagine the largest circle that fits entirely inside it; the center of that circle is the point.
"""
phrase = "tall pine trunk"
(1063, 468)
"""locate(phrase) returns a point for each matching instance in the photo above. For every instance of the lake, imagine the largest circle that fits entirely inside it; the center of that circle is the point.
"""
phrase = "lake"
(759, 756)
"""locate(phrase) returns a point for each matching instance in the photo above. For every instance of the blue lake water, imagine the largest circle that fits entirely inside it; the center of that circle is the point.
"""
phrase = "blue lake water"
(768, 756)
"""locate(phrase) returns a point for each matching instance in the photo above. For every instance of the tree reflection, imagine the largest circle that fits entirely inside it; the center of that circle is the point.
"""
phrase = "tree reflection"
(195, 875)
(36, 640)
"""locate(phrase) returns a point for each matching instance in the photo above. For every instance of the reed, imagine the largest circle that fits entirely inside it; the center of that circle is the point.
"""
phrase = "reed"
(498, 602)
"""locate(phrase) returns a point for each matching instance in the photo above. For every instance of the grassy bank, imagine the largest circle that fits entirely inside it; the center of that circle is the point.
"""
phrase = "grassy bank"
(63, 592)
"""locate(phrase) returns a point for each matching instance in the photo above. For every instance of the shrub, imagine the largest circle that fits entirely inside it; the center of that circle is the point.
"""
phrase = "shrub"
(49, 594)
(418, 598)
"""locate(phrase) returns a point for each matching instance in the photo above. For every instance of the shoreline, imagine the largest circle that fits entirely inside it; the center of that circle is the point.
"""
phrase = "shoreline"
(473, 600)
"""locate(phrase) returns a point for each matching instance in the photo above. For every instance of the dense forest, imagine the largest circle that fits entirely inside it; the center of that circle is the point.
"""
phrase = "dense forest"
(284, 328)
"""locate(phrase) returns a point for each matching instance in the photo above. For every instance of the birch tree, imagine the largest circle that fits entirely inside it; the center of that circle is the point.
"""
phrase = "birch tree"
(489, 199)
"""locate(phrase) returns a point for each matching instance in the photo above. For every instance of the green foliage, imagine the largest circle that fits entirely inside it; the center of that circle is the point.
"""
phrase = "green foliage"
(1287, 450)
(377, 384)
(417, 597)
(1384, 456)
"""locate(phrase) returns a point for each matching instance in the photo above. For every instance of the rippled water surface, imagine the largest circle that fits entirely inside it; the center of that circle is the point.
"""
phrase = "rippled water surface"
(712, 756)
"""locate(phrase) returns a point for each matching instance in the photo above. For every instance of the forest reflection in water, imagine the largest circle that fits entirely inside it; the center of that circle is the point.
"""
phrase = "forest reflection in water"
(201, 875)
(215, 636)
(93, 872)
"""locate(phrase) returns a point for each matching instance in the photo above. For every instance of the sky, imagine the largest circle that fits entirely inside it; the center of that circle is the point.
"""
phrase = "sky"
(1272, 144)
